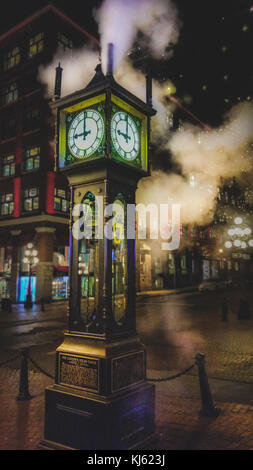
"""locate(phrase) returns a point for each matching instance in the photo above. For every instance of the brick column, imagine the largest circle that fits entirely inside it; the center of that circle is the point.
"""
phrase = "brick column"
(45, 247)
(14, 266)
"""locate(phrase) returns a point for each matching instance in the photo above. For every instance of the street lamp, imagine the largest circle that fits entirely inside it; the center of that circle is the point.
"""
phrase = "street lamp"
(30, 259)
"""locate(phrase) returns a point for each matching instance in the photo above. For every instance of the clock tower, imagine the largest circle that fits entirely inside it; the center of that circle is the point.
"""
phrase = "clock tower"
(101, 398)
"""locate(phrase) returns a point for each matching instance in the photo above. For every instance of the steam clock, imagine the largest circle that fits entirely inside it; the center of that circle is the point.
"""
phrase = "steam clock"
(101, 398)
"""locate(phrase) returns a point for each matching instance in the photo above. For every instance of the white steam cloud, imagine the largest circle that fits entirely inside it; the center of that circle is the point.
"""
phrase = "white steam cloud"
(204, 158)
(121, 20)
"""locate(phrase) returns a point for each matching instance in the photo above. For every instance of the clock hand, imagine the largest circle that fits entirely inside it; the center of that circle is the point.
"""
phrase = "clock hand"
(126, 136)
(85, 133)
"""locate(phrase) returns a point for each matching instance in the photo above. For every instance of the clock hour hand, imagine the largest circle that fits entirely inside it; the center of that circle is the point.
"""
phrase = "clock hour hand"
(126, 136)
(85, 133)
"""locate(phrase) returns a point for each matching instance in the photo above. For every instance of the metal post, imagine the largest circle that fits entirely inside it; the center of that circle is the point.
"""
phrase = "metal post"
(208, 408)
(28, 302)
(23, 382)
(42, 306)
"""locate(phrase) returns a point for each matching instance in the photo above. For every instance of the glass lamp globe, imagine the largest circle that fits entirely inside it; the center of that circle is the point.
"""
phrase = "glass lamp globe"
(238, 220)
(237, 243)
(251, 243)
(231, 232)
(243, 245)
(27, 252)
(247, 231)
(34, 252)
(25, 260)
(30, 246)
(36, 260)
(228, 244)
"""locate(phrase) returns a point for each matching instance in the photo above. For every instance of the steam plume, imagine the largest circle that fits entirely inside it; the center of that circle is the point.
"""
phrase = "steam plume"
(121, 20)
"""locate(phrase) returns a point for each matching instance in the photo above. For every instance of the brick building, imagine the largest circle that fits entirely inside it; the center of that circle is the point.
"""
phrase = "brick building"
(34, 198)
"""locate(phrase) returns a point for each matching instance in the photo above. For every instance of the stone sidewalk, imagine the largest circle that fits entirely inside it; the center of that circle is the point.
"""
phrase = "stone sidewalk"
(178, 423)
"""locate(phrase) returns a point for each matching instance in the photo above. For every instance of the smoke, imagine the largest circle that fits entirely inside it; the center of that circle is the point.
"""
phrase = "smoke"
(204, 158)
(78, 69)
(120, 21)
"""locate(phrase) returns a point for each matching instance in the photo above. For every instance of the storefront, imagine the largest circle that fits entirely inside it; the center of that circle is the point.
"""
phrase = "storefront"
(60, 285)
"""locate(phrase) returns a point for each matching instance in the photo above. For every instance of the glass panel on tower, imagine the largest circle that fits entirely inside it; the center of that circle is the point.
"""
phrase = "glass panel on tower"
(119, 263)
(87, 253)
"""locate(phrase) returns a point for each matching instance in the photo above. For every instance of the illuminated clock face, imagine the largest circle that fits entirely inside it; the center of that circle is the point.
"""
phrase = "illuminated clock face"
(125, 136)
(85, 133)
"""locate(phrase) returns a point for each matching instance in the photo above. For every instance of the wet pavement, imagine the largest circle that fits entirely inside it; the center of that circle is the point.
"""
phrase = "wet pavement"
(173, 328)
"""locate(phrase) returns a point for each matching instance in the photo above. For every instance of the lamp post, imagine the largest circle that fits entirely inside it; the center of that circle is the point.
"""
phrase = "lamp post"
(30, 259)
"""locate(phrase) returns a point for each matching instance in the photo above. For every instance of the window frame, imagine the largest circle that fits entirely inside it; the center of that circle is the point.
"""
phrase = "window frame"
(32, 198)
(8, 92)
(11, 164)
(34, 42)
(31, 157)
(64, 42)
(62, 199)
(9, 203)
(9, 55)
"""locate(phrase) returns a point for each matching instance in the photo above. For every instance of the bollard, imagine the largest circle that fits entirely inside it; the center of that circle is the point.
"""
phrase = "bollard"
(208, 408)
(42, 306)
(23, 382)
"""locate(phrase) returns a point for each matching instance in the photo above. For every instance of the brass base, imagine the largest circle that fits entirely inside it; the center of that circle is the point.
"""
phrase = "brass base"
(101, 399)
(75, 420)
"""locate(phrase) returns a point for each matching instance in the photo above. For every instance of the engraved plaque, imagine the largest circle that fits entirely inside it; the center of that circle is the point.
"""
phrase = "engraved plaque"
(78, 371)
(127, 370)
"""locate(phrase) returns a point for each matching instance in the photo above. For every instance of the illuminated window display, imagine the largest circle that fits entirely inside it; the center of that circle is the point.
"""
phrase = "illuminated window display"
(60, 288)
(23, 288)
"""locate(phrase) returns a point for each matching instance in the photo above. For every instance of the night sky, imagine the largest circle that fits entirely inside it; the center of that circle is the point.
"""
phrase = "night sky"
(212, 62)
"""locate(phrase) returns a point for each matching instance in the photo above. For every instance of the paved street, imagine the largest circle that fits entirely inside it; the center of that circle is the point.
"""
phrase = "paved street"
(173, 328)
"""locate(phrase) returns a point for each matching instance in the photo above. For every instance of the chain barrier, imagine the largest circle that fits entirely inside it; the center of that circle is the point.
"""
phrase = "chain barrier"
(9, 361)
(208, 409)
(172, 376)
(39, 368)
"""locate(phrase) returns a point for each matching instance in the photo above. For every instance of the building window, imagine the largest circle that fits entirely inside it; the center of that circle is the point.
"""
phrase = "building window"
(31, 199)
(61, 200)
(31, 119)
(36, 44)
(8, 165)
(8, 128)
(11, 58)
(7, 204)
(32, 159)
(10, 93)
(64, 43)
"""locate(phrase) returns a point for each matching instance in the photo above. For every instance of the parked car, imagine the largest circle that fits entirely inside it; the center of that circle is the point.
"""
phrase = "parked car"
(212, 285)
